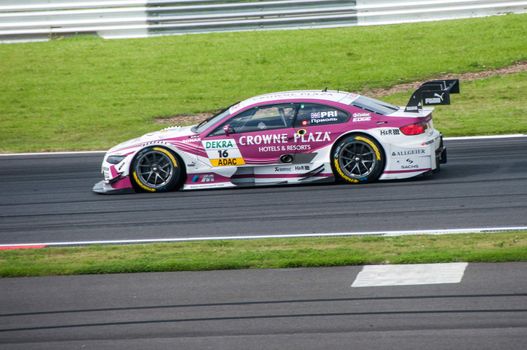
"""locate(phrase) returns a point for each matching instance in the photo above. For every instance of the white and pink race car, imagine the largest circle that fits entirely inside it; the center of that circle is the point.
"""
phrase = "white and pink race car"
(293, 137)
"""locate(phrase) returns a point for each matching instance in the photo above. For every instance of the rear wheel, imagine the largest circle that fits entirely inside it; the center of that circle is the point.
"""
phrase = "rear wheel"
(156, 169)
(358, 159)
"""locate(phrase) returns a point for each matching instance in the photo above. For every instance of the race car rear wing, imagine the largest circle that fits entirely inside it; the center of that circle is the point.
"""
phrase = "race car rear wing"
(431, 93)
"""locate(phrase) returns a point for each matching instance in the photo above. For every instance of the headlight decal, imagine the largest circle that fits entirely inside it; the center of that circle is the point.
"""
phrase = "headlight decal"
(115, 159)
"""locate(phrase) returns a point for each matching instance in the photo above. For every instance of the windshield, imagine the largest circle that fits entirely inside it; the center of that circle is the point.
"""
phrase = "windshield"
(375, 106)
(211, 121)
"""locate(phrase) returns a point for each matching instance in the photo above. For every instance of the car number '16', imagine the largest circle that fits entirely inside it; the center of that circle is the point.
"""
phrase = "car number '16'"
(223, 152)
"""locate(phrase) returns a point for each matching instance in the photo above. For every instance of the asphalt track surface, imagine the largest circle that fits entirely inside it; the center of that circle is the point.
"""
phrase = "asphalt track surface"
(265, 309)
(48, 198)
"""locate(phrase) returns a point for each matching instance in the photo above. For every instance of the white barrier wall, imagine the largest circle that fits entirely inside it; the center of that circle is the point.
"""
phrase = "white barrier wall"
(33, 20)
(373, 12)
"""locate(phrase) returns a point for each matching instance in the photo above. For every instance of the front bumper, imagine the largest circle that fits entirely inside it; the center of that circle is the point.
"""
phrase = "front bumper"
(120, 187)
(116, 178)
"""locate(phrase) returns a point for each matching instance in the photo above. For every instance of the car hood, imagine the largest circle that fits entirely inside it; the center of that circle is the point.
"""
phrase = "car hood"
(172, 132)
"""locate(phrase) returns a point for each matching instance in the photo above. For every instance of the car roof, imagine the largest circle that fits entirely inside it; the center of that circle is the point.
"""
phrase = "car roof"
(329, 95)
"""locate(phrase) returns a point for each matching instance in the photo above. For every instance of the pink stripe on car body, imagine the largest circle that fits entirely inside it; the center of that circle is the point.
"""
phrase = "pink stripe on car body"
(311, 135)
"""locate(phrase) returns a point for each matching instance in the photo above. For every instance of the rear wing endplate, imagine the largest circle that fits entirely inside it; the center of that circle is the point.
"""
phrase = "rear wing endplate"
(431, 93)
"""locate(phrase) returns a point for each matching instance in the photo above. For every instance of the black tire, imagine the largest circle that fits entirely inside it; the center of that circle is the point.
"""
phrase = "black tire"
(358, 159)
(438, 165)
(156, 169)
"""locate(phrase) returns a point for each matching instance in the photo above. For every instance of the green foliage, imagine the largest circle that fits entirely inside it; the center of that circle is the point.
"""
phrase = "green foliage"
(89, 93)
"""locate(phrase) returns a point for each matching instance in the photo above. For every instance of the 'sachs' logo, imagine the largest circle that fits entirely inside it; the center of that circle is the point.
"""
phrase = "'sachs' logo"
(409, 164)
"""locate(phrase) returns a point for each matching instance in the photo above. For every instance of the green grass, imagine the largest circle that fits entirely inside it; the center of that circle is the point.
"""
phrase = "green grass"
(89, 93)
(265, 253)
(495, 105)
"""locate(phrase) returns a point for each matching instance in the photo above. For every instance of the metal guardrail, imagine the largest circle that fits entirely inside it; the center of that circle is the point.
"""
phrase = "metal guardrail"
(33, 20)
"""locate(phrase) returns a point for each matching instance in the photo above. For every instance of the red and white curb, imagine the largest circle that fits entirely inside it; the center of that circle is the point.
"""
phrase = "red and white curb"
(22, 246)
(489, 230)
(66, 153)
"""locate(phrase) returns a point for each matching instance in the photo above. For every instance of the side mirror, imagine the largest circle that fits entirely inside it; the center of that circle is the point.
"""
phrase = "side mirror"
(228, 129)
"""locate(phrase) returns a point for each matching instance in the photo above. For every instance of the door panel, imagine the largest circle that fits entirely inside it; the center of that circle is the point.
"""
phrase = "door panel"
(256, 136)
(317, 126)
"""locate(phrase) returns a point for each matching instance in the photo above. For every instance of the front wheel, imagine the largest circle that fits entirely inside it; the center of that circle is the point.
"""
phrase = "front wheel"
(358, 159)
(156, 169)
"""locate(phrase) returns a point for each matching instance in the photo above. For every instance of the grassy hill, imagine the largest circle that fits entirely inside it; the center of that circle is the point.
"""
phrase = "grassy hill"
(89, 93)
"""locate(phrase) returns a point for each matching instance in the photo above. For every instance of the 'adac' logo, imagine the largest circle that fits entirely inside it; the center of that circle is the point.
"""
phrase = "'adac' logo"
(227, 161)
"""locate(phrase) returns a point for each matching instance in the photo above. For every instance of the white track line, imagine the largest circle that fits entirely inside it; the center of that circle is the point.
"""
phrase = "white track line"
(489, 137)
(301, 235)
(409, 275)
(460, 138)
